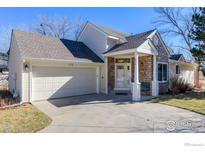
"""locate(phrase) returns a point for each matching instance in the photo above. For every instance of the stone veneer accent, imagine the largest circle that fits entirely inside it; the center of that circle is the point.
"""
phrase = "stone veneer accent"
(111, 73)
(162, 57)
(145, 70)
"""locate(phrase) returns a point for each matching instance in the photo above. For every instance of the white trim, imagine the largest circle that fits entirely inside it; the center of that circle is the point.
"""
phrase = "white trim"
(139, 49)
(113, 37)
(136, 91)
(106, 75)
(136, 68)
(142, 49)
(22, 83)
(162, 72)
(57, 60)
(160, 38)
(128, 89)
(153, 46)
(97, 80)
(164, 45)
(182, 58)
(93, 26)
(155, 85)
(120, 52)
(30, 83)
(123, 56)
(183, 62)
(127, 64)
(152, 34)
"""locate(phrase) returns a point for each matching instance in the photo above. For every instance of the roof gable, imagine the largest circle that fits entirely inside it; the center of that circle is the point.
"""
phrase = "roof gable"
(133, 41)
(177, 57)
(148, 48)
(157, 34)
(104, 30)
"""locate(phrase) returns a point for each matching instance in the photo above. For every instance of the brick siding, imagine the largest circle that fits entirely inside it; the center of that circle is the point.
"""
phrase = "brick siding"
(111, 73)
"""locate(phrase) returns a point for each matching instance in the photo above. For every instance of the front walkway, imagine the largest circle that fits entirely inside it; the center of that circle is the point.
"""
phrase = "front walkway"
(105, 113)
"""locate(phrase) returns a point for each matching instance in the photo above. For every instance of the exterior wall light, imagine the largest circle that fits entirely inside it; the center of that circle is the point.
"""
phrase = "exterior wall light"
(26, 67)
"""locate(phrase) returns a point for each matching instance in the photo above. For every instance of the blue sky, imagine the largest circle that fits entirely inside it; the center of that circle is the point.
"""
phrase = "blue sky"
(128, 20)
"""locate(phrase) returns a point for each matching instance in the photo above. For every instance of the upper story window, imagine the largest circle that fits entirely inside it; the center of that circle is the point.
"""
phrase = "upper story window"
(162, 72)
(177, 69)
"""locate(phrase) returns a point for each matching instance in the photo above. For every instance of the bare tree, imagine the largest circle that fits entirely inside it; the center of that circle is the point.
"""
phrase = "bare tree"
(5, 33)
(177, 21)
(59, 27)
(79, 25)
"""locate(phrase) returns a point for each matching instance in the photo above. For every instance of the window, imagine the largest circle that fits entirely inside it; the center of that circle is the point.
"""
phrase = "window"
(122, 60)
(162, 72)
(177, 69)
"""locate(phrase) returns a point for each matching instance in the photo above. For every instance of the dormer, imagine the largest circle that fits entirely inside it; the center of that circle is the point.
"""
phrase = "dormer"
(99, 38)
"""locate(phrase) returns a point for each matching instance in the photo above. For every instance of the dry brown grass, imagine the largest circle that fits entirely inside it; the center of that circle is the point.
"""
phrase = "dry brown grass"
(23, 119)
(193, 101)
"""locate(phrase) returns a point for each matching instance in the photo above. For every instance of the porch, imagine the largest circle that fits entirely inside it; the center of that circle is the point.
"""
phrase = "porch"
(132, 73)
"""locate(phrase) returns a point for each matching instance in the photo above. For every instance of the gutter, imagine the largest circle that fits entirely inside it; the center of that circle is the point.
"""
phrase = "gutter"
(66, 61)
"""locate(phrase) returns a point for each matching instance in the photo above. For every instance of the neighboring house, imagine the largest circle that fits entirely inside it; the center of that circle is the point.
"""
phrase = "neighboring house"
(183, 68)
(201, 81)
(102, 60)
(3, 61)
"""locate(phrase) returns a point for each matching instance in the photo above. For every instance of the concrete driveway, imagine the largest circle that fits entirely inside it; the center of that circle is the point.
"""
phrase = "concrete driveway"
(106, 113)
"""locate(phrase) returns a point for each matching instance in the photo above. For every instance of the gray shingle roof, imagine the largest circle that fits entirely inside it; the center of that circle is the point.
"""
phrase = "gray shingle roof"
(133, 41)
(39, 46)
(111, 31)
(80, 50)
(175, 57)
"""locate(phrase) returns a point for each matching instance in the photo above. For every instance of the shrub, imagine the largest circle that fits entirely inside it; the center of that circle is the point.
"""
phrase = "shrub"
(203, 71)
(179, 85)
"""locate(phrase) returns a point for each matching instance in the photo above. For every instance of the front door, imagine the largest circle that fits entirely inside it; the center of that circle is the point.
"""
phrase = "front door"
(123, 77)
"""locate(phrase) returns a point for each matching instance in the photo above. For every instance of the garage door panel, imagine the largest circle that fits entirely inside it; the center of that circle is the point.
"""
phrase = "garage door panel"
(50, 83)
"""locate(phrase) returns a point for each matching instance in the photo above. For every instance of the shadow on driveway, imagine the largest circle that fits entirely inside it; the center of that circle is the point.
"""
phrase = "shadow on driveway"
(92, 99)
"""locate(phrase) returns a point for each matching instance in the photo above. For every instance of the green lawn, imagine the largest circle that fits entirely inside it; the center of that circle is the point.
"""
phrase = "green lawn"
(193, 101)
(23, 119)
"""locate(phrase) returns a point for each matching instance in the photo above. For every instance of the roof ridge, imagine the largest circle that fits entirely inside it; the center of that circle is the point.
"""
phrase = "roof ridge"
(33, 33)
(106, 29)
(145, 32)
(102, 26)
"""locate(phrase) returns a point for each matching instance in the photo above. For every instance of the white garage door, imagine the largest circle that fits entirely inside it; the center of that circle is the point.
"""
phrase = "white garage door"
(188, 76)
(50, 82)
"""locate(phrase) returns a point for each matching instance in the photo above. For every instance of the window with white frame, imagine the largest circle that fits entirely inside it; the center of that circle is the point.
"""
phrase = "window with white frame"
(177, 69)
(162, 72)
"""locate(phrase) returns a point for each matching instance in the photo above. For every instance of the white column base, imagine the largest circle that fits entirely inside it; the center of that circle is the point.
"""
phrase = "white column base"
(136, 91)
(155, 88)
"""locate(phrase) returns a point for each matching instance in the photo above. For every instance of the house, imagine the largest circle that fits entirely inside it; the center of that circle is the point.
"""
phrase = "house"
(183, 68)
(3, 61)
(102, 60)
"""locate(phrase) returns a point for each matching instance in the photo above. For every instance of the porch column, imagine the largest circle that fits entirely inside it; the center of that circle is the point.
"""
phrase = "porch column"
(155, 90)
(136, 86)
(106, 75)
